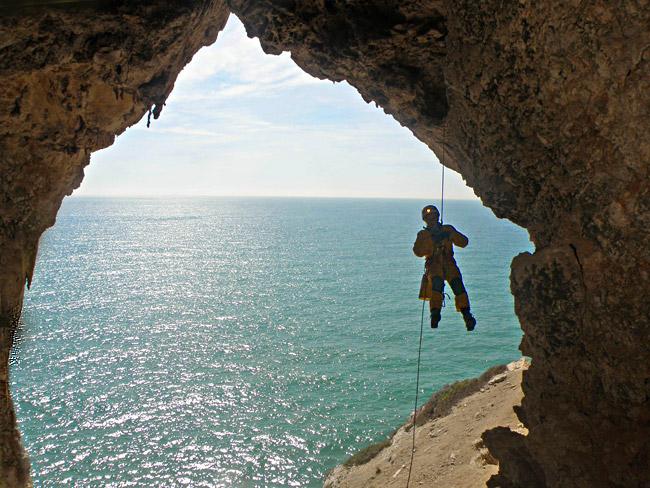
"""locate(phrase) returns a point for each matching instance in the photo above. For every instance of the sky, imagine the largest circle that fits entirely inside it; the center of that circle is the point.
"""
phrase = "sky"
(241, 122)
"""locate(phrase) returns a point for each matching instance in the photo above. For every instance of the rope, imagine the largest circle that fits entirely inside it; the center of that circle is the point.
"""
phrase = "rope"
(417, 378)
(442, 204)
(442, 195)
(442, 184)
(417, 392)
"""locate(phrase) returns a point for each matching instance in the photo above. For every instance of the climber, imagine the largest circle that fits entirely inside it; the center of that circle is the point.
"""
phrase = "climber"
(436, 243)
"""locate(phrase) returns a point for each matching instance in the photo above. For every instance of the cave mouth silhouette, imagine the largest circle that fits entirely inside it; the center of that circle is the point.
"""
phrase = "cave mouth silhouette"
(250, 123)
(543, 123)
(141, 131)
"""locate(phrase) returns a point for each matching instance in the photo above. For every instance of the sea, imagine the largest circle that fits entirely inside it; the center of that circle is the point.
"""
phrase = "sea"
(241, 342)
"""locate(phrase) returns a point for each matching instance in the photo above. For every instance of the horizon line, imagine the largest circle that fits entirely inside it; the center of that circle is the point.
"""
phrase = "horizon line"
(333, 197)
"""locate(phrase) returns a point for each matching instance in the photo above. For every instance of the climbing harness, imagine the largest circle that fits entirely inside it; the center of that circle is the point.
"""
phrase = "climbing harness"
(417, 377)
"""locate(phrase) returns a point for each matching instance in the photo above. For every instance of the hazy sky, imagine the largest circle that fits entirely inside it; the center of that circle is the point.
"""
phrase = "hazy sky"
(240, 122)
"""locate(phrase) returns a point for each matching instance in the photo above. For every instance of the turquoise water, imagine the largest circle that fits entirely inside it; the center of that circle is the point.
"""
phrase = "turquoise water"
(239, 341)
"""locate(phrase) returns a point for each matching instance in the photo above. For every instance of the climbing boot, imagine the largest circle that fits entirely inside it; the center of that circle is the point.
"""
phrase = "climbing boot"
(470, 321)
(435, 317)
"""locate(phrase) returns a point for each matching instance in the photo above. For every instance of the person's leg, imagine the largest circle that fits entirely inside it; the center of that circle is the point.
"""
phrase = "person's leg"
(435, 303)
(455, 280)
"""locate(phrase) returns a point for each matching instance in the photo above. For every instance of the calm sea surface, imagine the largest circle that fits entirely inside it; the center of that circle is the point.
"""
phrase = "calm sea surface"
(239, 341)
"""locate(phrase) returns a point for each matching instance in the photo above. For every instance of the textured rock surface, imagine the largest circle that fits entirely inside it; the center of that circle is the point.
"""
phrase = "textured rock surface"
(543, 107)
(547, 118)
(71, 80)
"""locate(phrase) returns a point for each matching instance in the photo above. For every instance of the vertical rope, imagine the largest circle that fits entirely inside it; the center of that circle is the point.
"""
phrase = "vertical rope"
(417, 378)
(417, 392)
(442, 184)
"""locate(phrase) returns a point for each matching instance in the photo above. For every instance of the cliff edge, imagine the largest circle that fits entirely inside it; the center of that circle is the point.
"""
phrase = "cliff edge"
(449, 450)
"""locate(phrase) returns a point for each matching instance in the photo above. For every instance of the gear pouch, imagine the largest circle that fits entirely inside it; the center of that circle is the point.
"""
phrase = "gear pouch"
(426, 290)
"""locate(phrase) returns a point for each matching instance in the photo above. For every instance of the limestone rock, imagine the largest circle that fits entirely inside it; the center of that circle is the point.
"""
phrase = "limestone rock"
(497, 379)
(546, 117)
(72, 79)
(543, 107)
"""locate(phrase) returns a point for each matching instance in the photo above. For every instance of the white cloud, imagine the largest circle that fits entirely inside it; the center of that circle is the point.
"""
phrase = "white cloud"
(240, 67)
(243, 122)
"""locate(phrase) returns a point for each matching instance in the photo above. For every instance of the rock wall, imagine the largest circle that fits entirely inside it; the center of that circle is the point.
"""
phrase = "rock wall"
(542, 107)
(72, 79)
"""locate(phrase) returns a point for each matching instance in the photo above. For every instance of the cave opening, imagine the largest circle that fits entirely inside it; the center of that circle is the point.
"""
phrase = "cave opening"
(109, 252)
(545, 115)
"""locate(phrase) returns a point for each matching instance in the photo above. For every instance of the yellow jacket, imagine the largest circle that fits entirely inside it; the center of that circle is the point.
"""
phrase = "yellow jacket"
(438, 240)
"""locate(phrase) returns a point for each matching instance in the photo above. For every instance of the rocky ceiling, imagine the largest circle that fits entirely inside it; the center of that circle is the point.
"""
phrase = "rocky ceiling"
(543, 107)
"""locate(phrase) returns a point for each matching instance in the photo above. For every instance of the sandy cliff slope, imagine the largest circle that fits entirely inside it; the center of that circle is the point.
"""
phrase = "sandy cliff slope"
(449, 452)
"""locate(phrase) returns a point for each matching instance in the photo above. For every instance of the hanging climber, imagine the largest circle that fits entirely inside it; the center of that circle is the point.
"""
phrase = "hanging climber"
(436, 243)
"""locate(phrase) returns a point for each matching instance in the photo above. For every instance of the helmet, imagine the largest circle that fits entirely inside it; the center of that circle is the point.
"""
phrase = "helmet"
(428, 210)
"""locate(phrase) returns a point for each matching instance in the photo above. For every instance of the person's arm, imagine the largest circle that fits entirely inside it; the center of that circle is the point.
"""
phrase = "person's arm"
(423, 246)
(456, 237)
